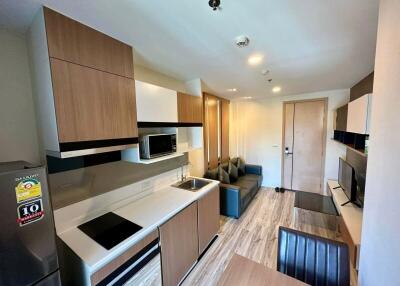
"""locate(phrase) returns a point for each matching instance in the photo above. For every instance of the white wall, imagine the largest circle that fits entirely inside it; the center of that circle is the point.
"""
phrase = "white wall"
(154, 77)
(256, 133)
(380, 241)
(18, 133)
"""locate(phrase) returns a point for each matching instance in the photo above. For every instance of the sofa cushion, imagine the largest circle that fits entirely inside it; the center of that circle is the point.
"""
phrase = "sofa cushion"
(252, 177)
(223, 175)
(244, 193)
(234, 161)
(247, 184)
(233, 172)
(212, 174)
(241, 167)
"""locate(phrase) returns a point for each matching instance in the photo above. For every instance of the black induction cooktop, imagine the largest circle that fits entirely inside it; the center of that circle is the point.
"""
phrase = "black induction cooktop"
(109, 229)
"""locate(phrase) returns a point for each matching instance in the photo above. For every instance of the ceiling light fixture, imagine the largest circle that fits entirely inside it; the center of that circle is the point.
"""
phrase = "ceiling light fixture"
(255, 60)
(276, 89)
(247, 97)
(232, 89)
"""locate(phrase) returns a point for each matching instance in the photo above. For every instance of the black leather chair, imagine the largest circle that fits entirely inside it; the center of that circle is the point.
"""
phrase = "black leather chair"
(313, 259)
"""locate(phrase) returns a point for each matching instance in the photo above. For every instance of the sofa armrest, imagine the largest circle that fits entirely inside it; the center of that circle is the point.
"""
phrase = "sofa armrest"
(254, 169)
(230, 202)
(229, 187)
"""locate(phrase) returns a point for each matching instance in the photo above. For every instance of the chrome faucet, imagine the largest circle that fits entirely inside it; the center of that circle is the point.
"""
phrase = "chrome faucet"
(183, 177)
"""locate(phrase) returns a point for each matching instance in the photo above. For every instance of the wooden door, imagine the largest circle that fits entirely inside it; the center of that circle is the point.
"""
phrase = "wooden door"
(74, 42)
(224, 131)
(305, 135)
(91, 104)
(212, 131)
(190, 108)
(208, 218)
(179, 245)
(288, 146)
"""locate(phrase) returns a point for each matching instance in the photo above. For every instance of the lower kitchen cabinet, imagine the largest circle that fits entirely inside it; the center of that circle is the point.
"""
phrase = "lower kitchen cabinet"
(208, 218)
(114, 269)
(149, 275)
(179, 245)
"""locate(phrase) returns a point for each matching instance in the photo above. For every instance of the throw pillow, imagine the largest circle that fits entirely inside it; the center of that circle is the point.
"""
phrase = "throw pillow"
(233, 172)
(241, 167)
(212, 174)
(223, 176)
(235, 161)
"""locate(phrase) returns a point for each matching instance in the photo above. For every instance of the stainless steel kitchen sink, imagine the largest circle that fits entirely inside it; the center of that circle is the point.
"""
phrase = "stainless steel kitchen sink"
(192, 184)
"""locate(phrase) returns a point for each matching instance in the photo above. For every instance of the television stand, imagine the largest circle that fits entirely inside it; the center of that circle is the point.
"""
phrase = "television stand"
(350, 221)
(349, 201)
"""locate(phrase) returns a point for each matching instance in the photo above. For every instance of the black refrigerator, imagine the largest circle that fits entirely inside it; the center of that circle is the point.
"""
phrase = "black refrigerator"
(28, 254)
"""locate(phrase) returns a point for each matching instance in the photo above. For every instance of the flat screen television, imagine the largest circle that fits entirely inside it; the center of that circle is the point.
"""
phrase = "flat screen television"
(346, 179)
(360, 189)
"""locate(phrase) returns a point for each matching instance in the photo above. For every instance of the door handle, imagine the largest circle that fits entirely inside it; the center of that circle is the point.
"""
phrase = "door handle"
(287, 151)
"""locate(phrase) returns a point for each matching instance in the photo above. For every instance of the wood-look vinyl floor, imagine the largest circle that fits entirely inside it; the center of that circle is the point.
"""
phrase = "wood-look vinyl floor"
(254, 236)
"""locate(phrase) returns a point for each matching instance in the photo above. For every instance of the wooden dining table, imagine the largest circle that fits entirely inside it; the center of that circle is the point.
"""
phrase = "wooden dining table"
(242, 271)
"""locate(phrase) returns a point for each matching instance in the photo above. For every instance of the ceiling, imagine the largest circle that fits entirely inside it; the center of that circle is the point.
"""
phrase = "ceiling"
(308, 45)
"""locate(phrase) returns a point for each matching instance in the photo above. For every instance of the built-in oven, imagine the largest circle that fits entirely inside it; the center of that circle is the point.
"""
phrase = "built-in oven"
(156, 145)
(144, 268)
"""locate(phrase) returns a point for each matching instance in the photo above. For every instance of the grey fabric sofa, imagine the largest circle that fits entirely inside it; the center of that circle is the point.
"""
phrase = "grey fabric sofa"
(236, 196)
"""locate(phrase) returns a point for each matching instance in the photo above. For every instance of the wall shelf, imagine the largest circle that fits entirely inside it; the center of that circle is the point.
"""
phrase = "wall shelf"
(142, 124)
(359, 151)
(132, 155)
(351, 140)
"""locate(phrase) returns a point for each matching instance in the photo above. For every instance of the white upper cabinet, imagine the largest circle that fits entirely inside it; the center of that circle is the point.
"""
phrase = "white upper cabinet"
(359, 114)
(155, 103)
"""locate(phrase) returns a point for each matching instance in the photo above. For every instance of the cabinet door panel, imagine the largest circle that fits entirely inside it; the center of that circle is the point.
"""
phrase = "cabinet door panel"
(190, 108)
(208, 218)
(72, 41)
(358, 115)
(155, 103)
(92, 105)
(179, 245)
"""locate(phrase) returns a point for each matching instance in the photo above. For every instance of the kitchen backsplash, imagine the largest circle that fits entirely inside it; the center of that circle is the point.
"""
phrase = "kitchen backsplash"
(80, 184)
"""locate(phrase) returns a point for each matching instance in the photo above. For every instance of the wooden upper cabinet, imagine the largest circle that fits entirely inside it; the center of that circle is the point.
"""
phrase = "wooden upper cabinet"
(365, 86)
(91, 104)
(190, 108)
(74, 42)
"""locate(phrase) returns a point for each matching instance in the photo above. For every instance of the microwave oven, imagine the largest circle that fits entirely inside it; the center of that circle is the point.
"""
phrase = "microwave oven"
(156, 145)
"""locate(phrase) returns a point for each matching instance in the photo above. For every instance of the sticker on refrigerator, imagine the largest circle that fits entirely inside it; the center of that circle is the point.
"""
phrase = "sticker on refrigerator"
(30, 212)
(28, 189)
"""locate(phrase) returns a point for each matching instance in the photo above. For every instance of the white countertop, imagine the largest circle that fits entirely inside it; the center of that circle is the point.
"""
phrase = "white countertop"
(149, 212)
(352, 215)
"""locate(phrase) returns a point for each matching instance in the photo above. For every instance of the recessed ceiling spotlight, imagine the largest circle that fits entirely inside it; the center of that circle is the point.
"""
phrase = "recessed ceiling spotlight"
(276, 89)
(255, 59)
(242, 41)
(232, 89)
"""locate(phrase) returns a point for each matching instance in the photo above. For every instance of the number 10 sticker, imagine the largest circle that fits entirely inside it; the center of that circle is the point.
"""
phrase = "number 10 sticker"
(30, 212)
